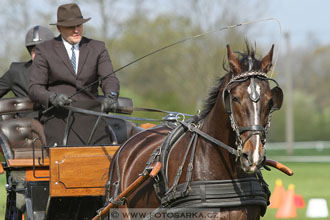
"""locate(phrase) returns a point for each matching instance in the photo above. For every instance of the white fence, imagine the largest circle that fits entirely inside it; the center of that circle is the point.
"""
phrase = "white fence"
(317, 145)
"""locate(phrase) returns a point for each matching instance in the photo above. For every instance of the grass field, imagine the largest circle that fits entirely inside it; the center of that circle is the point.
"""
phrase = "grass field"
(311, 180)
(2, 196)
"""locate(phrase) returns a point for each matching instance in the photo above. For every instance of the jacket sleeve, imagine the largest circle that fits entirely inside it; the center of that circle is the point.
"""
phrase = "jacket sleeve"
(39, 79)
(109, 82)
(5, 82)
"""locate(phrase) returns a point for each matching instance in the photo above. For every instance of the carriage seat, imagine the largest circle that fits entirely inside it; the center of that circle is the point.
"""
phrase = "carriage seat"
(17, 137)
(123, 129)
(11, 107)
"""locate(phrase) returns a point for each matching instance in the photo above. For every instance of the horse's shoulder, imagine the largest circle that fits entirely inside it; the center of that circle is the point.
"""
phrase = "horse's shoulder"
(145, 139)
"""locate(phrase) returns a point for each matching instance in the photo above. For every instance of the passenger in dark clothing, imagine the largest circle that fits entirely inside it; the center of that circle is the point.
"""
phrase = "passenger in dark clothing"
(16, 79)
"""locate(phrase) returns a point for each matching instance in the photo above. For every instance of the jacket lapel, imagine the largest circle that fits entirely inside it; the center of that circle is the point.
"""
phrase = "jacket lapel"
(63, 54)
(83, 53)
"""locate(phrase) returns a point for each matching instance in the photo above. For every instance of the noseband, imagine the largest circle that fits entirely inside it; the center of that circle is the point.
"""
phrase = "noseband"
(256, 129)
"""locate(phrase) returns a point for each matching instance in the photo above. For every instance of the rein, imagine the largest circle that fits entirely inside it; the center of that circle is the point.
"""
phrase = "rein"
(195, 129)
(172, 115)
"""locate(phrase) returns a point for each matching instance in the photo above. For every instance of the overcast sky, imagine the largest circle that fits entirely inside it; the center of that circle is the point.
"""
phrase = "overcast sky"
(303, 18)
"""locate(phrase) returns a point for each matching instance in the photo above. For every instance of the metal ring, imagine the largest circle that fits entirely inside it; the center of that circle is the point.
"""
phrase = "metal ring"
(190, 126)
(180, 116)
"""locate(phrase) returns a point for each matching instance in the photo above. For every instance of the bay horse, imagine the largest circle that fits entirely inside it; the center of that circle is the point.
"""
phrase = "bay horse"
(212, 160)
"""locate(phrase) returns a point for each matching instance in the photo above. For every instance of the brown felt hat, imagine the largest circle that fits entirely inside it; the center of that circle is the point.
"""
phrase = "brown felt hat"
(70, 15)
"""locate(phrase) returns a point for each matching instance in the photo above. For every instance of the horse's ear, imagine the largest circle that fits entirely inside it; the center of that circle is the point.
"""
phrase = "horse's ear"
(233, 61)
(266, 62)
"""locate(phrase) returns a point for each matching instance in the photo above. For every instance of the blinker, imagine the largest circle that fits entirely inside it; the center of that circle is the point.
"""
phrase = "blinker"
(277, 96)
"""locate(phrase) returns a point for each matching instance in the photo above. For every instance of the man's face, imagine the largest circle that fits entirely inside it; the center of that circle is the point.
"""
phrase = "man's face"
(71, 34)
(33, 53)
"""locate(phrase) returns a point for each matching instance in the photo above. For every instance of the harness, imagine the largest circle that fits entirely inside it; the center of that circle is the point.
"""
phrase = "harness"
(204, 194)
(198, 194)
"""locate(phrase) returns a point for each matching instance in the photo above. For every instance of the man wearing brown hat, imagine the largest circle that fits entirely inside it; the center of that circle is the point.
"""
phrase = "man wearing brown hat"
(62, 67)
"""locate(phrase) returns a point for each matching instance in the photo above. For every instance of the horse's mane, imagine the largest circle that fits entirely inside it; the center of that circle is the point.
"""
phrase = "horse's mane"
(243, 59)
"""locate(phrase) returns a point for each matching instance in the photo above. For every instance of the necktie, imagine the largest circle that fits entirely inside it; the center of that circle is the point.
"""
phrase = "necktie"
(73, 59)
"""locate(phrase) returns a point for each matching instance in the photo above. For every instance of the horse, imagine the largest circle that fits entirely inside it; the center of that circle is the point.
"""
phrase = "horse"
(212, 160)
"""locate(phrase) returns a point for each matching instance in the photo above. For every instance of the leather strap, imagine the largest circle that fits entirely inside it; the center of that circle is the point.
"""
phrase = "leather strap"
(160, 111)
(251, 128)
(210, 138)
(218, 194)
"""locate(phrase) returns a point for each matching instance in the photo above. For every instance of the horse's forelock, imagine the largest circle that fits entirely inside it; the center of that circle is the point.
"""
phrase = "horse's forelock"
(245, 56)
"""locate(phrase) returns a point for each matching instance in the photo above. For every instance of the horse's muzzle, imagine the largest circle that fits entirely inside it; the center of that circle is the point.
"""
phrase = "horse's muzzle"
(252, 158)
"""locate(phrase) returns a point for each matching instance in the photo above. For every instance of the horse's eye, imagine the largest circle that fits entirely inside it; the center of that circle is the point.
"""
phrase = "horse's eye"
(235, 99)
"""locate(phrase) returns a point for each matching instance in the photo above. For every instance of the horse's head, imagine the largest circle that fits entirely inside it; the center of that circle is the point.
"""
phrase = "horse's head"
(249, 102)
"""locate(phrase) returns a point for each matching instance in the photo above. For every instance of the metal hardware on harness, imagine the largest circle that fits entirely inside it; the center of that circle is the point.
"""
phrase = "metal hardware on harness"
(170, 117)
(152, 159)
(190, 126)
(116, 193)
(99, 214)
(238, 140)
(254, 96)
(118, 202)
(180, 117)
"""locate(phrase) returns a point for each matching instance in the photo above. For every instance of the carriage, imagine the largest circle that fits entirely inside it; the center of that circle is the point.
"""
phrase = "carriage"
(191, 163)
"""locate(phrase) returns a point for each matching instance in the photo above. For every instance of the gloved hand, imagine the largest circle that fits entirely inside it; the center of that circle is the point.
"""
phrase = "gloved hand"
(58, 100)
(110, 102)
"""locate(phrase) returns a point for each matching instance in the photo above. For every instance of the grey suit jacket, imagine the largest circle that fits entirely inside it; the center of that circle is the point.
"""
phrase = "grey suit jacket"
(16, 79)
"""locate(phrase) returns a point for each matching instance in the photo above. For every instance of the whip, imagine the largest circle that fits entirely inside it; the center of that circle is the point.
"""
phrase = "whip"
(179, 42)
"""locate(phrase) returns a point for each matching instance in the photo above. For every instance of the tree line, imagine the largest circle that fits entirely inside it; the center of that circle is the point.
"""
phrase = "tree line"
(179, 78)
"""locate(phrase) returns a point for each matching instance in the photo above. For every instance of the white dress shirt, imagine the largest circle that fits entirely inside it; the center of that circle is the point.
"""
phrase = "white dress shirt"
(68, 47)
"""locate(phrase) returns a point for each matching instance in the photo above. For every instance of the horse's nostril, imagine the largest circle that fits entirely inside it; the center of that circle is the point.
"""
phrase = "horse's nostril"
(245, 155)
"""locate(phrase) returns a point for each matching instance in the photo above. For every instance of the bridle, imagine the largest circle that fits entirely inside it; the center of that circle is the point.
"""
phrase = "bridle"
(227, 98)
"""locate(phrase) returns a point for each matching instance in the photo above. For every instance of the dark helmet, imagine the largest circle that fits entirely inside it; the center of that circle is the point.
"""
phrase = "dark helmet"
(36, 35)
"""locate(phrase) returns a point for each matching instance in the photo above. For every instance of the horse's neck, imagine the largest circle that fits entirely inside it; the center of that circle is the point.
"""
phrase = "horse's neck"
(216, 123)
(222, 164)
